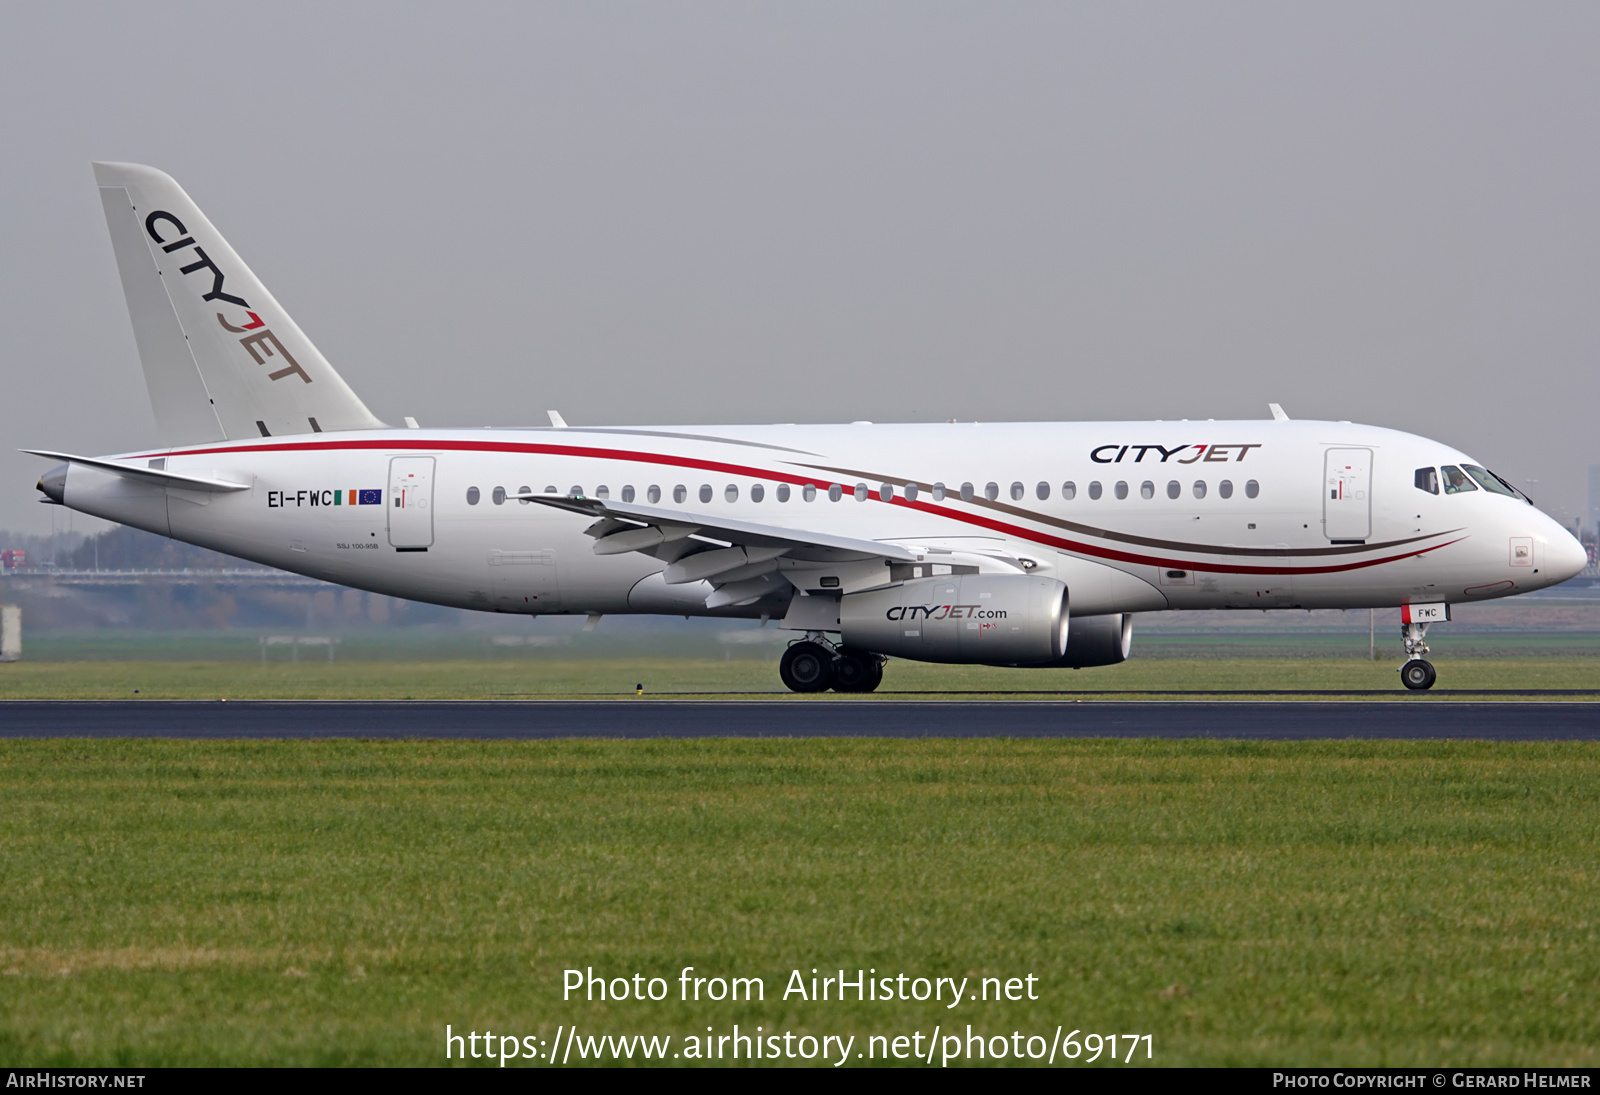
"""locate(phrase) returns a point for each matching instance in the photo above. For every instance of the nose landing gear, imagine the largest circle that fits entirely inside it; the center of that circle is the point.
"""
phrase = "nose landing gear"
(816, 665)
(1417, 674)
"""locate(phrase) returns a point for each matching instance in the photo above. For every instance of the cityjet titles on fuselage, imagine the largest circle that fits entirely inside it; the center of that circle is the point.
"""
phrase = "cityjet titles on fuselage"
(945, 612)
(1218, 454)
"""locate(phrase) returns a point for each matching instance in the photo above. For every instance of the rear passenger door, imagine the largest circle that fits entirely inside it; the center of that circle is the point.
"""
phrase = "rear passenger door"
(411, 503)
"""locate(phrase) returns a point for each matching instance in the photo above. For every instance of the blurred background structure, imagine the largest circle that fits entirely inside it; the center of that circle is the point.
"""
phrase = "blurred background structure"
(126, 594)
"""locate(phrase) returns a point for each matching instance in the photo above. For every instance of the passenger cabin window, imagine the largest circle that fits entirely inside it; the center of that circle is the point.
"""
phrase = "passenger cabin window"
(525, 490)
(602, 492)
(991, 491)
(705, 492)
(654, 493)
(1122, 489)
(757, 492)
(938, 492)
(1489, 481)
(1069, 490)
(783, 492)
(1455, 480)
(1094, 490)
(809, 493)
(1225, 488)
(1147, 490)
(680, 493)
(1174, 489)
(1042, 491)
(835, 492)
(1200, 488)
(473, 496)
(885, 492)
(1017, 491)
(1251, 489)
(911, 492)
(1427, 479)
(627, 492)
(575, 492)
(860, 492)
(499, 496)
(730, 493)
(966, 492)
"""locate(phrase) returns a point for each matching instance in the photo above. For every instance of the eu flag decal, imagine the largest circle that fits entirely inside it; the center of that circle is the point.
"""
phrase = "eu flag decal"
(371, 498)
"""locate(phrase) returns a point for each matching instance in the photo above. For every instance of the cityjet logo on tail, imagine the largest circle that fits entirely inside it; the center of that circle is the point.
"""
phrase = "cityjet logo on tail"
(262, 344)
(945, 612)
(1218, 454)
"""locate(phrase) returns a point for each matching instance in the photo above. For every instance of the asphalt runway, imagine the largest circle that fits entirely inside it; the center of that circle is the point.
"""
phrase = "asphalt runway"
(645, 718)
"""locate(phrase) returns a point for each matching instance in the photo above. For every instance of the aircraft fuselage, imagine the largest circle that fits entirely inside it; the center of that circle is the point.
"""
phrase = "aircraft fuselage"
(1131, 516)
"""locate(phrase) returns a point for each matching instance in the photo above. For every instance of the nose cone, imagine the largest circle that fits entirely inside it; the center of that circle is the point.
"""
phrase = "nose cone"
(53, 484)
(1565, 557)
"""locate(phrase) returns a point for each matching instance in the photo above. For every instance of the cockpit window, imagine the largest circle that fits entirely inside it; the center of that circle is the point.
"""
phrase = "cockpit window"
(1455, 480)
(1428, 480)
(1507, 484)
(1488, 482)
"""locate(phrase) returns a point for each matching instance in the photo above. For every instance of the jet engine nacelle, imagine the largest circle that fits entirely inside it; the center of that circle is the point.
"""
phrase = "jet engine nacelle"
(999, 619)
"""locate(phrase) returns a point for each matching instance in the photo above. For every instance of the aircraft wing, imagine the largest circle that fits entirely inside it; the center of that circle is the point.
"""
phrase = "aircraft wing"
(739, 558)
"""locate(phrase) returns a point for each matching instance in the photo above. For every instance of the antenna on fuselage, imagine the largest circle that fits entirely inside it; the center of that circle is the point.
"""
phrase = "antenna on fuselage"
(1277, 413)
(556, 420)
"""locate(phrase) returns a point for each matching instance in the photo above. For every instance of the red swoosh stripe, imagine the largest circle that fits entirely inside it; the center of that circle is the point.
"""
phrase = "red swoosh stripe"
(1073, 546)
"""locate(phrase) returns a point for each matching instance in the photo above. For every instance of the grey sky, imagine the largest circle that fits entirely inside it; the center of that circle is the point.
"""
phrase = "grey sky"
(823, 212)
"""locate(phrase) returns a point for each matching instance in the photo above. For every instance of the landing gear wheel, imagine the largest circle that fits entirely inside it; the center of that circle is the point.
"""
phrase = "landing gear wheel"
(807, 667)
(1418, 675)
(856, 673)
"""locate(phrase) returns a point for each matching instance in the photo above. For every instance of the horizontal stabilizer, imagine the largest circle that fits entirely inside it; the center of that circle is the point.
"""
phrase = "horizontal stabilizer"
(159, 476)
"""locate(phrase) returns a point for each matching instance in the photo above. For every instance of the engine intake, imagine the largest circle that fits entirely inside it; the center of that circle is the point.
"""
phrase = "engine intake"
(1001, 619)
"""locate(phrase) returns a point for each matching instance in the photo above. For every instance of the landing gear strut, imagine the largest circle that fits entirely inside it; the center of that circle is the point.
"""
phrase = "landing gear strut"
(816, 665)
(1417, 673)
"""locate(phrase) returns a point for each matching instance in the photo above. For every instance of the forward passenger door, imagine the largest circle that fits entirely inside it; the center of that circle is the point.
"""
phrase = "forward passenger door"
(1347, 494)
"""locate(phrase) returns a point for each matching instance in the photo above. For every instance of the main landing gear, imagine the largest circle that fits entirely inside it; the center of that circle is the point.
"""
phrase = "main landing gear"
(816, 665)
(1417, 674)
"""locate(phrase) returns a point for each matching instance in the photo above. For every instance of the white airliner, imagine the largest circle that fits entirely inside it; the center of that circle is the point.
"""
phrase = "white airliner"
(1019, 544)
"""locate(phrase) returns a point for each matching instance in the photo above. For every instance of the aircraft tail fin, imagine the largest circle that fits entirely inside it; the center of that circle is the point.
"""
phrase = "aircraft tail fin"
(222, 359)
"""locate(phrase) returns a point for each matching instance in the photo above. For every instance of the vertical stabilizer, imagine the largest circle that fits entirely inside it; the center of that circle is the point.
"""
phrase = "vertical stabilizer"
(222, 359)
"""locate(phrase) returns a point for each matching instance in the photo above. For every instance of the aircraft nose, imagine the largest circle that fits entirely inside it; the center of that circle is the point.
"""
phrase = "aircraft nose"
(53, 484)
(1567, 557)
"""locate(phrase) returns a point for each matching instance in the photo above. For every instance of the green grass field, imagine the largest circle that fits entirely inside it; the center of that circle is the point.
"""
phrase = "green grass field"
(616, 676)
(339, 902)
